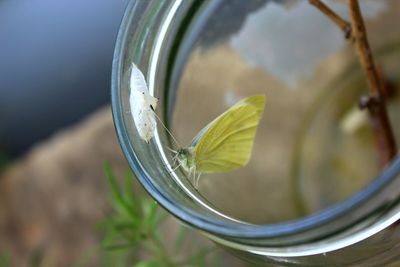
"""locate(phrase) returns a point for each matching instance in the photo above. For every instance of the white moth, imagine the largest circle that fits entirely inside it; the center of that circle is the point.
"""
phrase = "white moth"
(142, 105)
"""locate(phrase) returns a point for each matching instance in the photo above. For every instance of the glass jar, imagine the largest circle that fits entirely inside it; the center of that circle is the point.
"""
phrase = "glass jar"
(312, 193)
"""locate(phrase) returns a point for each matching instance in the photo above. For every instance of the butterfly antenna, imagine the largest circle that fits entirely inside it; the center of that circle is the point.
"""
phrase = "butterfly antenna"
(165, 127)
(172, 150)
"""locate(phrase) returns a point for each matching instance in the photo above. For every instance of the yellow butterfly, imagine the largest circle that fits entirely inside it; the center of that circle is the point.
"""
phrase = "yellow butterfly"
(226, 143)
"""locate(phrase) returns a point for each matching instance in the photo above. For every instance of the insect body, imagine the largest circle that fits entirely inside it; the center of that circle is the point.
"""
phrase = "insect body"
(226, 143)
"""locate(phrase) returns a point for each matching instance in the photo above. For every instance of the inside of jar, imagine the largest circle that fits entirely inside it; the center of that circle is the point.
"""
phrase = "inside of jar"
(314, 147)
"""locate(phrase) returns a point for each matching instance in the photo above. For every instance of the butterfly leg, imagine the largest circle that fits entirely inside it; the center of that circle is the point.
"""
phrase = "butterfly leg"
(173, 165)
(191, 176)
(197, 179)
(174, 169)
(174, 159)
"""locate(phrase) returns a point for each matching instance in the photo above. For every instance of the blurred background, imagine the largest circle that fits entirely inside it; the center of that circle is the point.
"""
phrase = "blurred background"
(55, 65)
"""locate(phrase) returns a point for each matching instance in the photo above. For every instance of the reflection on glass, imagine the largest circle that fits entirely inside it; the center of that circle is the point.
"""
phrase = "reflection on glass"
(298, 32)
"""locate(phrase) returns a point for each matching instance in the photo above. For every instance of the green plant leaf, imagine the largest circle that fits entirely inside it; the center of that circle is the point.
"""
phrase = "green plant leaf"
(5, 259)
(150, 209)
(117, 199)
(149, 263)
(134, 228)
(129, 194)
(128, 185)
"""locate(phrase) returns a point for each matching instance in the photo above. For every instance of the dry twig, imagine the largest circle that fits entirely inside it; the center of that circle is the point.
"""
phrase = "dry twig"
(332, 15)
(377, 110)
(376, 101)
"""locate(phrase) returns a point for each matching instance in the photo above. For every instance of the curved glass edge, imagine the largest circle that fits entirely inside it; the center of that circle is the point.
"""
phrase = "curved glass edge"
(367, 202)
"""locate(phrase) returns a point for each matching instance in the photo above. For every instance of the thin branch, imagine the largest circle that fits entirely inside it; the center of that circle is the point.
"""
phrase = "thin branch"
(362, 46)
(343, 24)
(388, 86)
(378, 112)
(356, 33)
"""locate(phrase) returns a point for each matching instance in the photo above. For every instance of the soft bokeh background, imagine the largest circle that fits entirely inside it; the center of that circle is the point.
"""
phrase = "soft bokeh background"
(55, 65)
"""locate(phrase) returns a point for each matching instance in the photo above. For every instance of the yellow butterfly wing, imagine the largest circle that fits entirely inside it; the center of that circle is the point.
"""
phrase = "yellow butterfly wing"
(226, 143)
(257, 101)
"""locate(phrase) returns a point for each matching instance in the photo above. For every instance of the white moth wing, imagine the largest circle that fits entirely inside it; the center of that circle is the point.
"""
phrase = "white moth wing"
(142, 105)
(138, 83)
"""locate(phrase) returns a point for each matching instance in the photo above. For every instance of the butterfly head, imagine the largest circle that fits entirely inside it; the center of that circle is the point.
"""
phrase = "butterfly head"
(185, 157)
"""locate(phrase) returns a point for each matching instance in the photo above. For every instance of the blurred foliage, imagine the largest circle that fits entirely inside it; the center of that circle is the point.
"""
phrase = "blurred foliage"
(4, 259)
(133, 235)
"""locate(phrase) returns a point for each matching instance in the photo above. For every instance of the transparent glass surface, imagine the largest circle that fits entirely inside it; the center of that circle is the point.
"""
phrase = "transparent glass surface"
(314, 147)
(313, 191)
